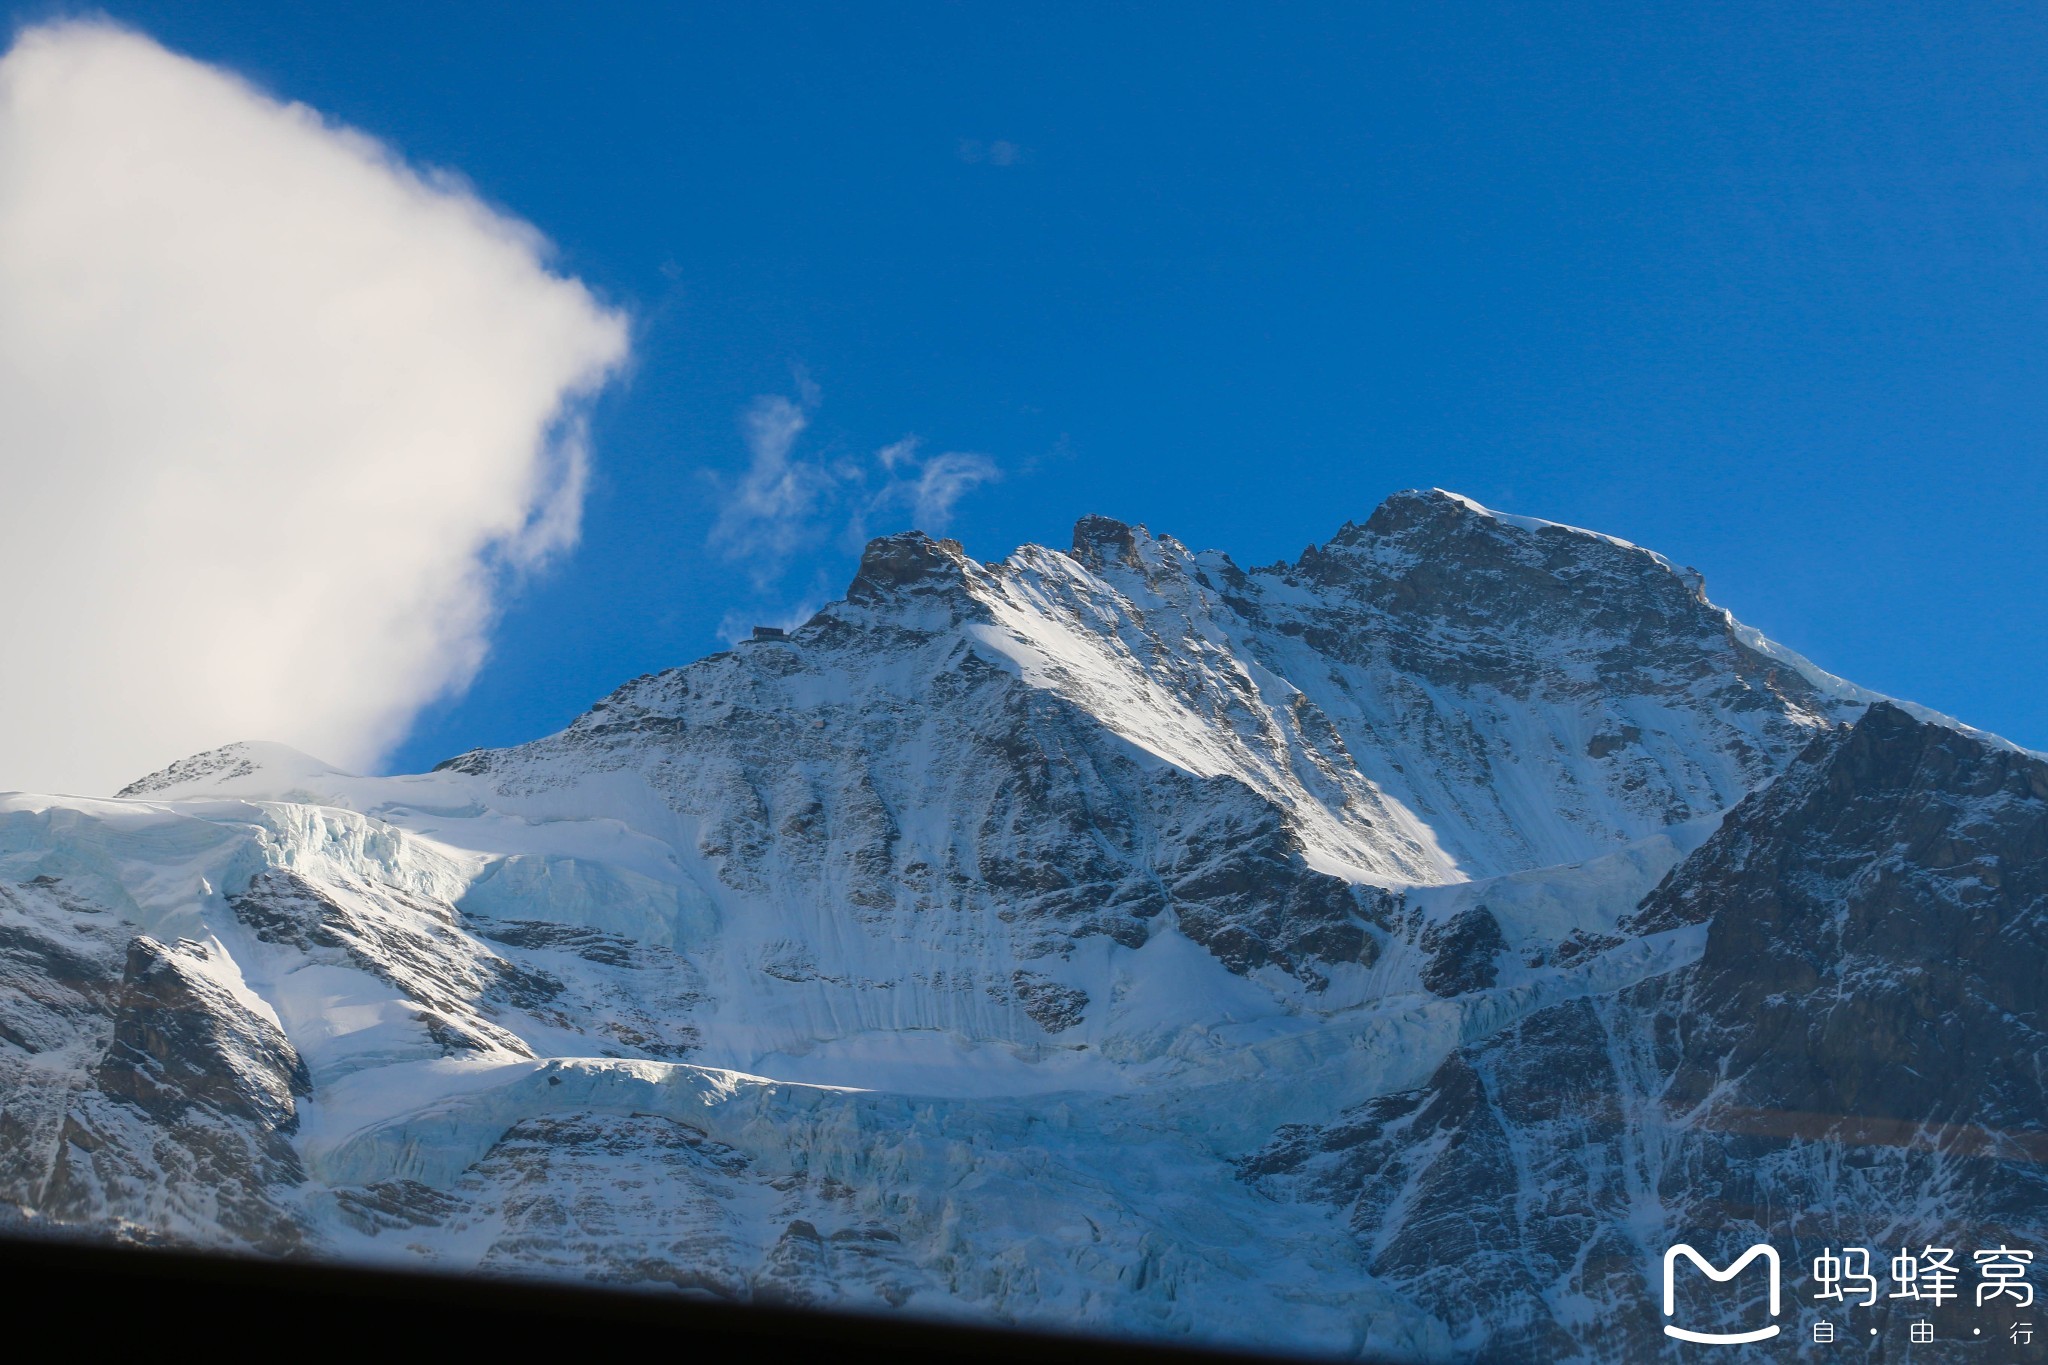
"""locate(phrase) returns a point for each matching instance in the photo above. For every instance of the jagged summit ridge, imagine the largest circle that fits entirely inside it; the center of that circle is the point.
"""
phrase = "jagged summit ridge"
(1384, 643)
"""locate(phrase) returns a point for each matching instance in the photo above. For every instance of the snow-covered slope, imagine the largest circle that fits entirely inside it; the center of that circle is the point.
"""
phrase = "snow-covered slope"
(953, 953)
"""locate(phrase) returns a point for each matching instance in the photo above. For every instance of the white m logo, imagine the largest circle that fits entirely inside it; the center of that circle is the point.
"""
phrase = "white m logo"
(1770, 1256)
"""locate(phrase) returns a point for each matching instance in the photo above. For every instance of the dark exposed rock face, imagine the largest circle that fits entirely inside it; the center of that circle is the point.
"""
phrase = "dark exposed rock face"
(179, 1119)
(1461, 952)
(1863, 1049)
(61, 962)
(906, 562)
(192, 1108)
(1052, 1006)
(1901, 875)
(182, 1042)
(1100, 542)
(1490, 1189)
(1858, 1058)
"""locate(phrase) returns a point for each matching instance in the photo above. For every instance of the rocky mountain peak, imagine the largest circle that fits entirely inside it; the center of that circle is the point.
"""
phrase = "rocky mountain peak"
(1423, 511)
(1102, 541)
(1430, 553)
(907, 562)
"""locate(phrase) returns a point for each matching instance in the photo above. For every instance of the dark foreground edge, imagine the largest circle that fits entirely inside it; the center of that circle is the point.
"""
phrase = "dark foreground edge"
(241, 1307)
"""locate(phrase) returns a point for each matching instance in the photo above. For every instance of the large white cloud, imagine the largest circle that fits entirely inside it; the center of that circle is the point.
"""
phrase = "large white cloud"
(278, 415)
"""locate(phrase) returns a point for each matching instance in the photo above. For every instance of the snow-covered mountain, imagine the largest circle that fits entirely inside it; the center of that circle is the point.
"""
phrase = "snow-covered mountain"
(1345, 955)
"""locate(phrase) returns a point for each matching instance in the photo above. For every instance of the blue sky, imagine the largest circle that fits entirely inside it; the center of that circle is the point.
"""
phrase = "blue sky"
(1765, 288)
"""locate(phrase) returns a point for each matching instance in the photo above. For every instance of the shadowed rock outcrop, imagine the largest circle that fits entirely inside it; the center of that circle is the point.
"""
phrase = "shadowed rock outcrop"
(1857, 1058)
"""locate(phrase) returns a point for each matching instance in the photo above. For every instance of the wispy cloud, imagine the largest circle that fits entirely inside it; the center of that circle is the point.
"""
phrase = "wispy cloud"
(929, 488)
(783, 503)
(975, 152)
(770, 508)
